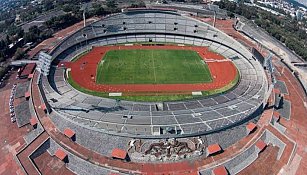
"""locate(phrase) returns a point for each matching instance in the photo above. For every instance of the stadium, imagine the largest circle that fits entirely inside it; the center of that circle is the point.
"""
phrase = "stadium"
(147, 119)
(153, 91)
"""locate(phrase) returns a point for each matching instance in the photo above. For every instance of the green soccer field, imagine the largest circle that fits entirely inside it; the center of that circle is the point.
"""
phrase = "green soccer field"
(152, 67)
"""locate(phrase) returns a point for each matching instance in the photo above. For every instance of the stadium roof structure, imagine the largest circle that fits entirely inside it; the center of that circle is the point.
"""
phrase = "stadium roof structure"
(156, 8)
(43, 106)
(277, 91)
(212, 149)
(60, 154)
(261, 145)
(30, 76)
(119, 153)
(69, 133)
(33, 121)
(251, 127)
(276, 118)
(27, 94)
(221, 170)
(275, 113)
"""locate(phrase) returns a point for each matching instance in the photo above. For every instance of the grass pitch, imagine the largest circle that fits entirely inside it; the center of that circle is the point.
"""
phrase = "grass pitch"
(152, 67)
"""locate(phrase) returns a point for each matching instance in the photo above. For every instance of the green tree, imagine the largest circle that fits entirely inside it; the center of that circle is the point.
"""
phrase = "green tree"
(283, 28)
(33, 34)
(19, 54)
(63, 21)
(138, 5)
(48, 4)
(8, 40)
(112, 6)
(2, 71)
(98, 10)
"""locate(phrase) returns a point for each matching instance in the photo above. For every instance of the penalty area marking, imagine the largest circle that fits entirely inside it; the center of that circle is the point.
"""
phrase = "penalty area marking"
(100, 64)
(153, 63)
(118, 94)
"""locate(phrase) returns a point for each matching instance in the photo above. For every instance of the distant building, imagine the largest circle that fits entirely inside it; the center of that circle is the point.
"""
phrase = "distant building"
(299, 15)
(292, 15)
(17, 18)
(211, 1)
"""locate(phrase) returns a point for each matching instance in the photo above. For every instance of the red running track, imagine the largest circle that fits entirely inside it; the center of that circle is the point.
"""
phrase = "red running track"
(83, 71)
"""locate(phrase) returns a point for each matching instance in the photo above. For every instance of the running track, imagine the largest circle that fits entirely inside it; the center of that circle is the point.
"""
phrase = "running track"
(83, 71)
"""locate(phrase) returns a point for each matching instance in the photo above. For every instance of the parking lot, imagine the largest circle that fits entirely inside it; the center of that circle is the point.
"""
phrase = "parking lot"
(11, 138)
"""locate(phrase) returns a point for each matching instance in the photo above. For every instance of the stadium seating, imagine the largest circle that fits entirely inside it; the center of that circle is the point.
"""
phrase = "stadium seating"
(213, 113)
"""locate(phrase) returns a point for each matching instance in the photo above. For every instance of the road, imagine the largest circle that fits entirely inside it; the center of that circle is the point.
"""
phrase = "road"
(277, 47)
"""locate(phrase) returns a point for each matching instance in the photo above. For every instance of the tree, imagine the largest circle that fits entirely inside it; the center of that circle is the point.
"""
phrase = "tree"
(48, 5)
(35, 30)
(19, 54)
(14, 30)
(2, 44)
(8, 40)
(112, 5)
(2, 71)
(98, 10)
(63, 21)
(230, 14)
(284, 29)
(32, 35)
(68, 7)
(138, 5)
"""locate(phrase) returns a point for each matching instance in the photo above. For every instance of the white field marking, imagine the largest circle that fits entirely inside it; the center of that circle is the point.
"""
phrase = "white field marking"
(198, 116)
(185, 106)
(227, 118)
(200, 104)
(177, 122)
(215, 101)
(205, 122)
(115, 94)
(101, 62)
(217, 61)
(153, 63)
(66, 114)
(197, 93)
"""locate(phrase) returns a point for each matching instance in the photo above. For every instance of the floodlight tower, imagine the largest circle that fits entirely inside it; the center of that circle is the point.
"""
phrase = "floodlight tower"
(268, 62)
(84, 23)
(214, 18)
(270, 67)
(84, 16)
(44, 63)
